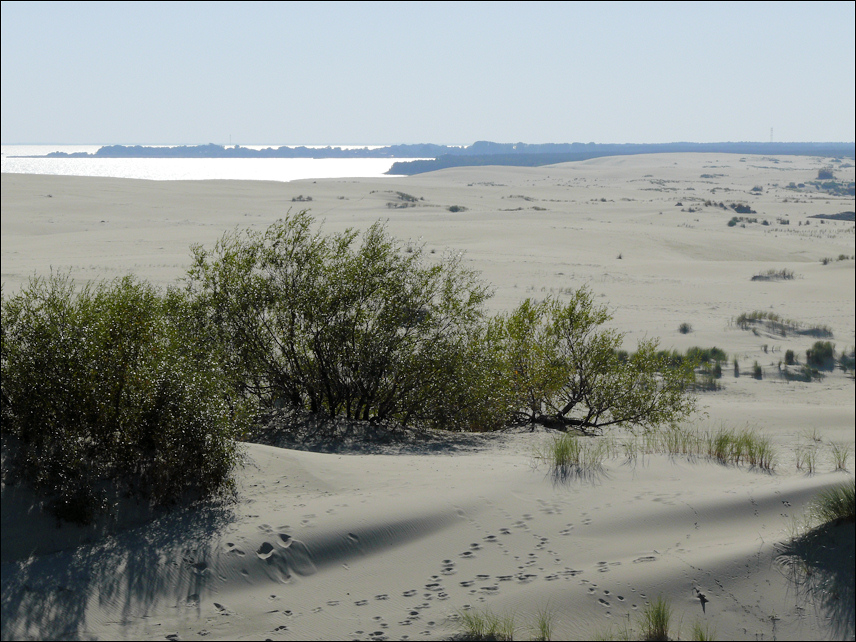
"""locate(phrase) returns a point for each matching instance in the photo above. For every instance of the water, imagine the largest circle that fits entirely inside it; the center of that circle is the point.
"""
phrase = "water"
(178, 169)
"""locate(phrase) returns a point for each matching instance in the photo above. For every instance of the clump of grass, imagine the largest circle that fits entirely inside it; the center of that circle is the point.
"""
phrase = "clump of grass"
(730, 446)
(569, 454)
(774, 275)
(778, 325)
(702, 631)
(806, 458)
(656, 620)
(685, 328)
(840, 454)
(835, 504)
(542, 626)
(486, 625)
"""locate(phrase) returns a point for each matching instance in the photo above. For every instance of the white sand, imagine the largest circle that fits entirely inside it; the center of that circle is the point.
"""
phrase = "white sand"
(391, 546)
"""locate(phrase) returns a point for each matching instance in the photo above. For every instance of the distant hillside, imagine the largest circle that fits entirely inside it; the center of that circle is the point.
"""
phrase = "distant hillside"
(479, 153)
(523, 155)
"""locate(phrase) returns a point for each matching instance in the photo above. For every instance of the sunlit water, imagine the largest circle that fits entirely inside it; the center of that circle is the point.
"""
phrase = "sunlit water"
(177, 169)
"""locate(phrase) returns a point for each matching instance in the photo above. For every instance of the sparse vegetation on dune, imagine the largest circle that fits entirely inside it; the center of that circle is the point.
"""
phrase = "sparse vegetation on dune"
(777, 325)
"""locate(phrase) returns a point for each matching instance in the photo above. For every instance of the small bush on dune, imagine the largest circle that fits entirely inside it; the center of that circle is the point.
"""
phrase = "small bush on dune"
(111, 389)
(371, 332)
(821, 355)
(568, 369)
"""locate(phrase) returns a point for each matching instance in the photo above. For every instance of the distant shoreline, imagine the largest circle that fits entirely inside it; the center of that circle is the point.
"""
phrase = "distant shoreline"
(480, 153)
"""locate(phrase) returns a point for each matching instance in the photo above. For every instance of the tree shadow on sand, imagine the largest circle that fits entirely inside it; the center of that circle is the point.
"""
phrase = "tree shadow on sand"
(819, 564)
(166, 561)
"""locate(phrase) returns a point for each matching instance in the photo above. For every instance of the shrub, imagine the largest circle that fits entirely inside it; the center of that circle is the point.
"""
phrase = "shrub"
(577, 375)
(789, 358)
(757, 372)
(821, 355)
(685, 328)
(825, 174)
(370, 332)
(112, 389)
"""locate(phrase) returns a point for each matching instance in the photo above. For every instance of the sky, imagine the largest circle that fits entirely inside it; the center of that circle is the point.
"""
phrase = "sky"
(451, 73)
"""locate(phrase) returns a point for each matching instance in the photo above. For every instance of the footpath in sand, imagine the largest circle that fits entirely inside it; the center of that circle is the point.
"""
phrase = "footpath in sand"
(391, 542)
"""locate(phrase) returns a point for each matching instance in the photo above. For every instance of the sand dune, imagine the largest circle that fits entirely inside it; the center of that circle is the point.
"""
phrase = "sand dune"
(392, 544)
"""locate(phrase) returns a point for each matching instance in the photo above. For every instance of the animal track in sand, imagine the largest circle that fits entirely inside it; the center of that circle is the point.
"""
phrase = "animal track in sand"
(361, 602)
(265, 550)
(647, 558)
(232, 549)
(333, 603)
(284, 540)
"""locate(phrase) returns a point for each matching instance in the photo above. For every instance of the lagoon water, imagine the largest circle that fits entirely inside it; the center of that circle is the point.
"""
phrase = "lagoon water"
(177, 169)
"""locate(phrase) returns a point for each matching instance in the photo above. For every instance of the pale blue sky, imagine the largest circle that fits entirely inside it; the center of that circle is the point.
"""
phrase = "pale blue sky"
(451, 73)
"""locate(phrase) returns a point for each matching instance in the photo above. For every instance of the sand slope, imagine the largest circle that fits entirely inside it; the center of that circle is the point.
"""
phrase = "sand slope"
(391, 546)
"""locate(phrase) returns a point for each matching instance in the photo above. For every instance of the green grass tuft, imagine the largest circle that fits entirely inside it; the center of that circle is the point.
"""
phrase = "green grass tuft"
(656, 620)
(486, 625)
(835, 504)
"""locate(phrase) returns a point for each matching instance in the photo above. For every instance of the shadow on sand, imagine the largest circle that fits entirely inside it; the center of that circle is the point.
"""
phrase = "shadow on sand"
(168, 560)
(819, 564)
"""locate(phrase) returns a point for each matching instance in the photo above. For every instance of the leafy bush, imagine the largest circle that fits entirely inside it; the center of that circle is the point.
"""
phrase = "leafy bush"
(790, 359)
(373, 333)
(111, 389)
(565, 364)
(685, 328)
(821, 355)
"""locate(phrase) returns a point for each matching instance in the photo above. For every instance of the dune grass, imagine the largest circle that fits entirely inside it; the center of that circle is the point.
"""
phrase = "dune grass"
(486, 625)
(656, 619)
(840, 454)
(569, 454)
(834, 504)
(702, 631)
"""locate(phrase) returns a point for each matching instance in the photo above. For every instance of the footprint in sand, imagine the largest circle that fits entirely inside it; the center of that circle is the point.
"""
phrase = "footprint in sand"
(381, 597)
(333, 603)
(603, 602)
(409, 593)
(361, 602)
(467, 555)
(647, 558)
(284, 540)
(467, 583)
(504, 531)
(265, 550)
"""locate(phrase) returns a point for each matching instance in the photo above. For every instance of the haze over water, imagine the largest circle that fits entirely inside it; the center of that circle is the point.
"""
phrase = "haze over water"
(174, 169)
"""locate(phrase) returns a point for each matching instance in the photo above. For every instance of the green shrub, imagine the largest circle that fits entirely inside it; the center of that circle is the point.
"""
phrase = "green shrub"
(789, 358)
(821, 355)
(371, 332)
(565, 364)
(757, 371)
(112, 389)
(685, 328)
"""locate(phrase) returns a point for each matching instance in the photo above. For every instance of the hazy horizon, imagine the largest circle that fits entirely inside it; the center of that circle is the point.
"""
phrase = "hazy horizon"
(368, 74)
